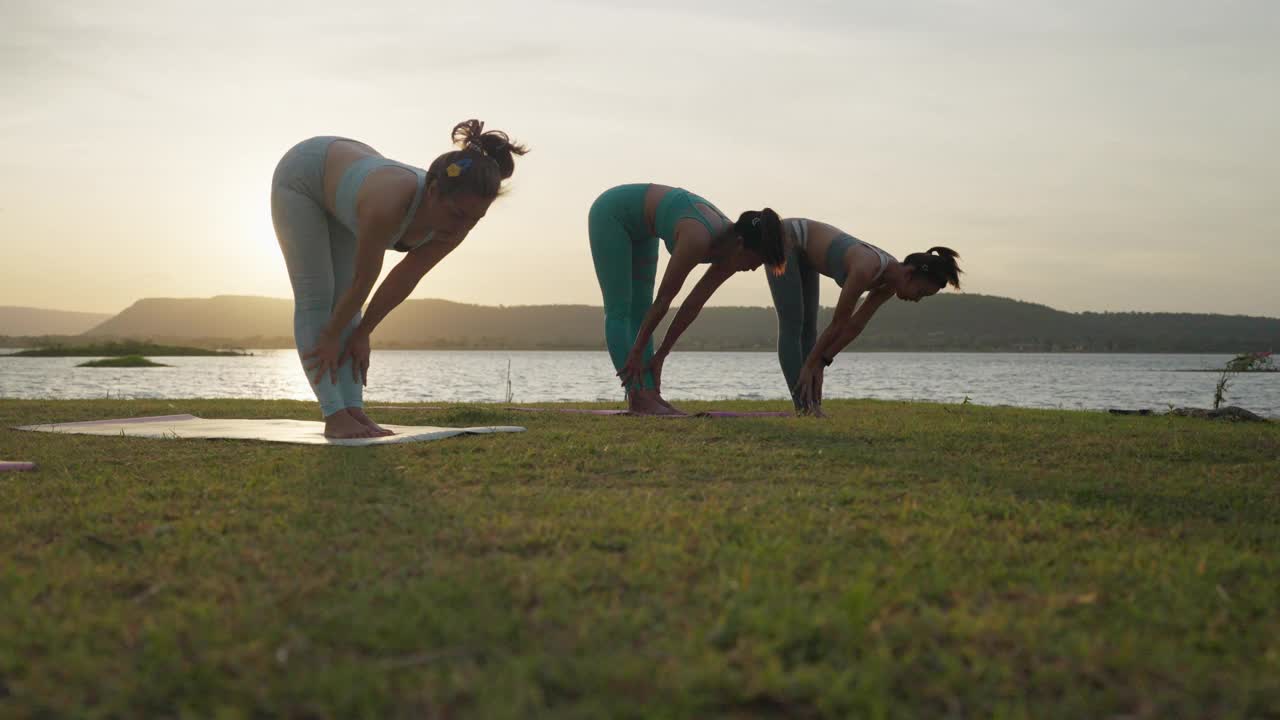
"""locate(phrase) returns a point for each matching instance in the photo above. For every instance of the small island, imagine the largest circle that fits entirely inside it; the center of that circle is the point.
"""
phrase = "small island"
(124, 350)
(1254, 362)
(127, 361)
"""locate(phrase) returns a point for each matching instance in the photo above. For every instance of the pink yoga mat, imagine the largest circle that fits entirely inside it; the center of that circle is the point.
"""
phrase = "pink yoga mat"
(709, 413)
(171, 428)
(152, 419)
(15, 466)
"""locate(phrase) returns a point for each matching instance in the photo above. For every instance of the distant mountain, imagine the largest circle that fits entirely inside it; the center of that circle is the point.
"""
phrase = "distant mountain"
(227, 317)
(34, 321)
(952, 321)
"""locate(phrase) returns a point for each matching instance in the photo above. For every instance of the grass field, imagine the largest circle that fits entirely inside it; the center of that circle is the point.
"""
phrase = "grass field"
(895, 560)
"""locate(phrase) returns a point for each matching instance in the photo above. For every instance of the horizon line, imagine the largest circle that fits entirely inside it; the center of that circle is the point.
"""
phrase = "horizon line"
(579, 304)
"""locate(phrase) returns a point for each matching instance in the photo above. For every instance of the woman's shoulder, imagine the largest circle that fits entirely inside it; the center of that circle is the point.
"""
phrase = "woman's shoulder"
(825, 228)
(387, 193)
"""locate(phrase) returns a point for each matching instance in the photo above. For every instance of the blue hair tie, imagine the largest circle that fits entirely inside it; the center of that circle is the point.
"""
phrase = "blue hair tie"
(458, 167)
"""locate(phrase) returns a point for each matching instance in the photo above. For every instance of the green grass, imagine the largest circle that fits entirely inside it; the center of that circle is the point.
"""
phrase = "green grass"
(896, 560)
(122, 349)
(127, 361)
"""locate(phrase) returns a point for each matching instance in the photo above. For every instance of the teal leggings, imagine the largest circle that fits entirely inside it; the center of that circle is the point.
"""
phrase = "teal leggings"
(320, 253)
(795, 298)
(626, 261)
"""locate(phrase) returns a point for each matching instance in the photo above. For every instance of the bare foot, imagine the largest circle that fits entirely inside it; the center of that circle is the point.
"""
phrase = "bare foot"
(648, 402)
(669, 406)
(378, 430)
(342, 426)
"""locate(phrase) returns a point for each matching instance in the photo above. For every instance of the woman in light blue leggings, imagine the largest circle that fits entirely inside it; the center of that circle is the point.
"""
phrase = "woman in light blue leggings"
(338, 206)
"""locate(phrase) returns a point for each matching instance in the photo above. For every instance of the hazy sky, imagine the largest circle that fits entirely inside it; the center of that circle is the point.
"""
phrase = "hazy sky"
(1086, 154)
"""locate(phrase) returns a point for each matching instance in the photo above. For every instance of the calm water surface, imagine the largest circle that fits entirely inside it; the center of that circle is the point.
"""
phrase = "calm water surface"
(1088, 382)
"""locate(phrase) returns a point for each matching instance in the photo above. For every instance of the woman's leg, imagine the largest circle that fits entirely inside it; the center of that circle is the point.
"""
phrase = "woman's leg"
(789, 301)
(302, 230)
(809, 280)
(616, 258)
(644, 273)
(342, 251)
(612, 255)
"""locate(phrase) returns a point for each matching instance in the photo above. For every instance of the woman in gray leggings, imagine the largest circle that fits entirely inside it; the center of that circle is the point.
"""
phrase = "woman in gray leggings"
(338, 205)
(858, 267)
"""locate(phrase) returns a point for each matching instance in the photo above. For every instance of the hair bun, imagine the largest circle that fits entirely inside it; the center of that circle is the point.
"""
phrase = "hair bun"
(467, 132)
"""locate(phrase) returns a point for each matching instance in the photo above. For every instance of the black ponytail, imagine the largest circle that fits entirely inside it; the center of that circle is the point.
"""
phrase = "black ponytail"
(761, 230)
(483, 162)
(938, 264)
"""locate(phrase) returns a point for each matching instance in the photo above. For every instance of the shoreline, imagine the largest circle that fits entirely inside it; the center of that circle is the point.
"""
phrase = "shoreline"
(696, 406)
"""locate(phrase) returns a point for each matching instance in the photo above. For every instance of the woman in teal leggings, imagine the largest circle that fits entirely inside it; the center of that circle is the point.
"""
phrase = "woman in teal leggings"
(857, 267)
(625, 224)
(338, 206)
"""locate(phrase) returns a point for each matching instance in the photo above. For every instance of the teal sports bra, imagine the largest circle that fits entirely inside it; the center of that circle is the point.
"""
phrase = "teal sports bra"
(679, 204)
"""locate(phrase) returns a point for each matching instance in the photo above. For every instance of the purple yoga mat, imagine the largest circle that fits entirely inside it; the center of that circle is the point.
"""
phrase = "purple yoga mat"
(575, 411)
(730, 413)
(16, 466)
(710, 413)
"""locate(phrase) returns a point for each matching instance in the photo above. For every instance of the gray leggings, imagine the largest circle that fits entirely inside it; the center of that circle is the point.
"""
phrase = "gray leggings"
(320, 253)
(795, 297)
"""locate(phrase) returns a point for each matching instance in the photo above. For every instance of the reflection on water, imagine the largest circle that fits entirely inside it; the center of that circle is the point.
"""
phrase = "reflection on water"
(1029, 380)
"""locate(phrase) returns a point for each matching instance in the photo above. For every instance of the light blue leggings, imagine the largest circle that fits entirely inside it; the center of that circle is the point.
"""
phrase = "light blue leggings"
(320, 253)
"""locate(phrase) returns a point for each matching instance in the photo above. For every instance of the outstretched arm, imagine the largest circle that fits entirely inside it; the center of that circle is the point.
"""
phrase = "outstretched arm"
(807, 393)
(712, 279)
(688, 312)
(369, 253)
(840, 320)
(382, 203)
(326, 355)
(402, 279)
(852, 329)
(385, 199)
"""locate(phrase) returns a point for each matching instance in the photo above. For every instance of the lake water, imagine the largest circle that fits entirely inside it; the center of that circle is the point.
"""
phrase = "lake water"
(1072, 381)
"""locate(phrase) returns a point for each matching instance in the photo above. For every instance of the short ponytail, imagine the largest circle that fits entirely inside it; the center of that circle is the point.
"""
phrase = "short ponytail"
(938, 264)
(761, 231)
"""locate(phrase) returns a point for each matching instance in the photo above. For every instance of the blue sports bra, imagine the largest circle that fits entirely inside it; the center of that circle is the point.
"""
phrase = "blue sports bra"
(349, 187)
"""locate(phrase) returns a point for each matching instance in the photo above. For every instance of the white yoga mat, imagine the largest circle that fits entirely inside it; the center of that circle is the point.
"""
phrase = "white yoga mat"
(305, 432)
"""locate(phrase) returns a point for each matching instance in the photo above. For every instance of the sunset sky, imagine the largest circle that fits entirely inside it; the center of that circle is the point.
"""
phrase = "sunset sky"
(1085, 154)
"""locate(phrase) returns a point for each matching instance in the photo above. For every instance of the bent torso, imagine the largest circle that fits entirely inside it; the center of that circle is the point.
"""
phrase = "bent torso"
(688, 230)
(390, 187)
(860, 261)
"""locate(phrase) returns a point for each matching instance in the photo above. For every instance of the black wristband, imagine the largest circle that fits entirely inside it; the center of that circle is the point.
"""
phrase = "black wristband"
(827, 361)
